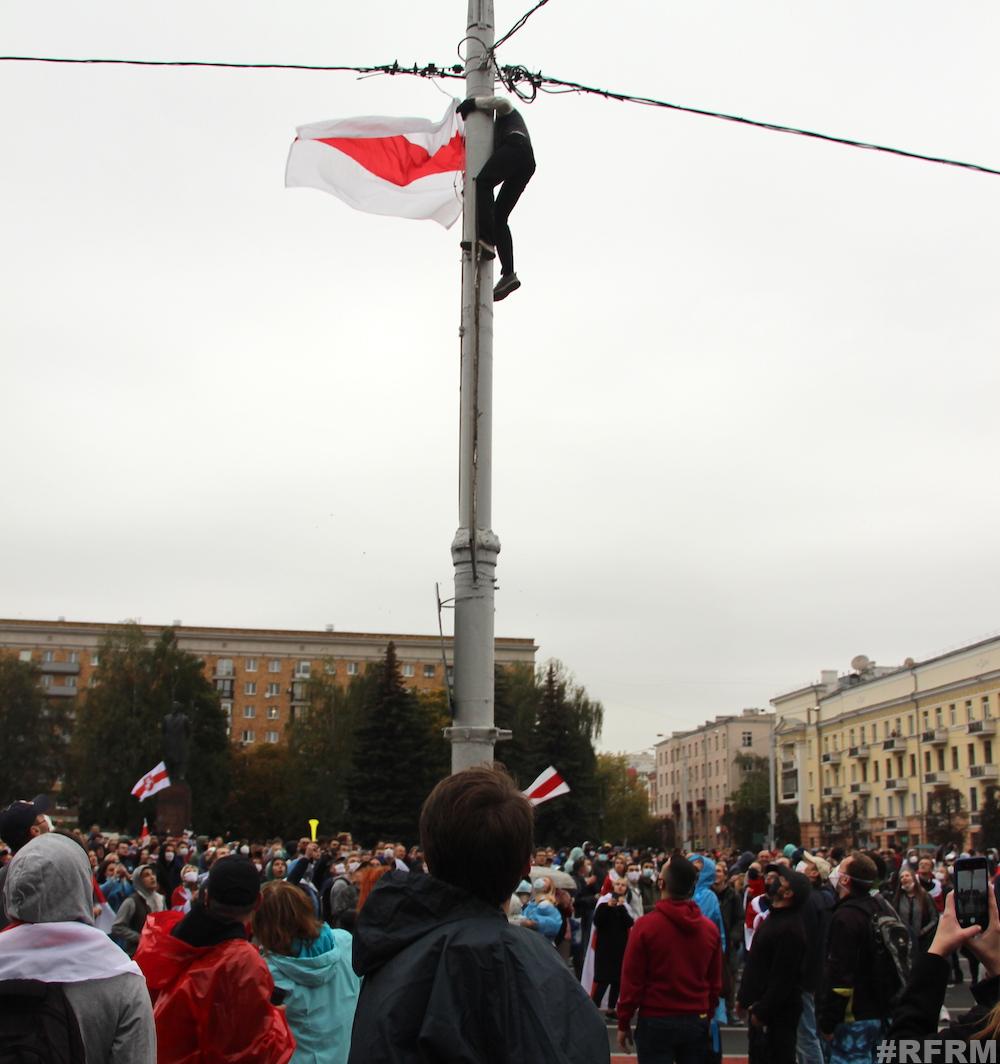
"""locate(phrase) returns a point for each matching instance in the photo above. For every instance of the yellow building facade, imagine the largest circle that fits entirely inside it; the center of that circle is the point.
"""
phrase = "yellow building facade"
(892, 755)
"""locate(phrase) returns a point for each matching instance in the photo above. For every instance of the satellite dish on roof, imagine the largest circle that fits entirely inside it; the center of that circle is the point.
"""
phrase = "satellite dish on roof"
(860, 663)
(909, 663)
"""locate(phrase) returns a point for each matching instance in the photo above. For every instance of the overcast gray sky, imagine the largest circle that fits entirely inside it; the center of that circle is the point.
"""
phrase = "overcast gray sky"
(745, 402)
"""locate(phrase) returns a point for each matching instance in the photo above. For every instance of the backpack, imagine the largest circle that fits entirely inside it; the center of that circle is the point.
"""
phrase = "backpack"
(37, 1024)
(892, 952)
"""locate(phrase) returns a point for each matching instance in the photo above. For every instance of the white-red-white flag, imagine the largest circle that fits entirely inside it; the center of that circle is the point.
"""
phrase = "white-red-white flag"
(548, 785)
(156, 779)
(405, 167)
(144, 834)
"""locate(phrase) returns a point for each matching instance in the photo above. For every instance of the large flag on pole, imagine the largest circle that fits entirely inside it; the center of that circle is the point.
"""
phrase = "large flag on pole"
(405, 167)
(155, 780)
(548, 785)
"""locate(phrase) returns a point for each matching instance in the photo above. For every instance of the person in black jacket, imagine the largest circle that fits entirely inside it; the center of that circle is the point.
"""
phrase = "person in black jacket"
(771, 990)
(852, 1009)
(511, 165)
(446, 976)
(916, 1015)
(816, 914)
(612, 921)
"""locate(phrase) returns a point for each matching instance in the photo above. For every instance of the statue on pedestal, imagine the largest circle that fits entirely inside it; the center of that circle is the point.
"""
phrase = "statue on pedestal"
(176, 732)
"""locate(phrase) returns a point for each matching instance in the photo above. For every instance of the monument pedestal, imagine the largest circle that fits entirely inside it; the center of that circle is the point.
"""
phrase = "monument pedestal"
(173, 809)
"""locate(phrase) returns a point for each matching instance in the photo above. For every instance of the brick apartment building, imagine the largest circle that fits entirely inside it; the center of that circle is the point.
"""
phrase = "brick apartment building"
(262, 674)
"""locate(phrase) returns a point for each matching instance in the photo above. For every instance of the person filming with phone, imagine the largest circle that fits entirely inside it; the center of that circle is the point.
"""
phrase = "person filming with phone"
(916, 1015)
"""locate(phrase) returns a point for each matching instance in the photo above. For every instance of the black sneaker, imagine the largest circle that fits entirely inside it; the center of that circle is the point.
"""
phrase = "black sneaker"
(507, 284)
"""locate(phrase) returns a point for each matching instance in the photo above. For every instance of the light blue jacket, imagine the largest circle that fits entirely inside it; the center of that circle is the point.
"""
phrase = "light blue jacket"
(323, 993)
(546, 915)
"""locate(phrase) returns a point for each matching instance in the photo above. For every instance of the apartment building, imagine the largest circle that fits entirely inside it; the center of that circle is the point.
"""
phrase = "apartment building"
(861, 756)
(262, 675)
(698, 770)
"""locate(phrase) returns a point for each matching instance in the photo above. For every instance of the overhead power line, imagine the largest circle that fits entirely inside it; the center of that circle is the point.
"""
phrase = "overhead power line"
(517, 25)
(515, 78)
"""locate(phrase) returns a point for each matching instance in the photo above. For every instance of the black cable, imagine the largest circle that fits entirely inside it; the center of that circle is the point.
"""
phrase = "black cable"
(513, 78)
(539, 82)
(517, 25)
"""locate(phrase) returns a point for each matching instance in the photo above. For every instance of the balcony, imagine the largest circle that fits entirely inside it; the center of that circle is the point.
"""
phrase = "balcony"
(225, 688)
(982, 727)
(59, 691)
(832, 757)
(833, 792)
(896, 743)
(937, 779)
(861, 789)
(937, 737)
(859, 751)
(60, 668)
(898, 784)
(984, 772)
(789, 796)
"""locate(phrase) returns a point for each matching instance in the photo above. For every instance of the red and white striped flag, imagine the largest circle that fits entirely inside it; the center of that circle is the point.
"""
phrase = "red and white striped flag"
(405, 167)
(548, 785)
(156, 779)
(144, 834)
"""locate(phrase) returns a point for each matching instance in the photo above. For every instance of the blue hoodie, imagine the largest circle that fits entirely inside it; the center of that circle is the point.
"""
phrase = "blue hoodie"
(323, 993)
(705, 899)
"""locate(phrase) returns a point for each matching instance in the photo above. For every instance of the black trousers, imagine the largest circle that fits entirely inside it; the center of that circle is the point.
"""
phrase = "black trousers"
(773, 1044)
(599, 990)
(512, 165)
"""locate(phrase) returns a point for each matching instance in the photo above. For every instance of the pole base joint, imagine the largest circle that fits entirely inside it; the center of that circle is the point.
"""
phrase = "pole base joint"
(460, 733)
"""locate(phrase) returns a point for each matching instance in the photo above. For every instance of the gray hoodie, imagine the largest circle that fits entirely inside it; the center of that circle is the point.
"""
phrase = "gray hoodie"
(131, 916)
(49, 882)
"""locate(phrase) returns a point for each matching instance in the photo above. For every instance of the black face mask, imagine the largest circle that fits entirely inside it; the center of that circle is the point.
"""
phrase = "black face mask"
(773, 887)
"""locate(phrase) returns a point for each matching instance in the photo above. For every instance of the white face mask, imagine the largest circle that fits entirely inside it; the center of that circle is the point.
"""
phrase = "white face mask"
(190, 877)
(633, 877)
(835, 878)
(183, 851)
(353, 866)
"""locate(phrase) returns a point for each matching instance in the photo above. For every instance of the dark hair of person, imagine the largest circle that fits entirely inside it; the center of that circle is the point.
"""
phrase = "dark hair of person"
(477, 832)
(348, 920)
(679, 877)
(285, 916)
(861, 868)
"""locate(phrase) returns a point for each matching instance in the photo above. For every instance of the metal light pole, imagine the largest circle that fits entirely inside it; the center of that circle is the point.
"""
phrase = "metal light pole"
(772, 806)
(475, 547)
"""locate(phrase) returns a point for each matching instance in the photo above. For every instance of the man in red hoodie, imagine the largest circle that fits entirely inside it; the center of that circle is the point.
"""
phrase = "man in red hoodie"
(671, 974)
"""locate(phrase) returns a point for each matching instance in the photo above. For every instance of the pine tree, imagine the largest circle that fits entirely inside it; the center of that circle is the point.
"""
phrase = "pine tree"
(395, 760)
(566, 726)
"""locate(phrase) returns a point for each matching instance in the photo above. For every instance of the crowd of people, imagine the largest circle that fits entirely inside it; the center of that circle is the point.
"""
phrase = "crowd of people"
(473, 945)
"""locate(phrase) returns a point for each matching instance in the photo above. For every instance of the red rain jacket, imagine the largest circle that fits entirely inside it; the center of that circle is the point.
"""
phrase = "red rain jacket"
(211, 1004)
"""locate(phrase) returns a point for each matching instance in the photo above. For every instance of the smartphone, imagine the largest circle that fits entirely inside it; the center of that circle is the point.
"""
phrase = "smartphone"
(278, 996)
(972, 883)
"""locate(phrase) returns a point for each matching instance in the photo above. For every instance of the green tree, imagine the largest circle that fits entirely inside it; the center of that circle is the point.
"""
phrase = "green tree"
(746, 819)
(260, 792)
(34, 731)
(566, 725)
(396, 759)
(989, 819)
(945, 817)
(118, 733)
(625, 803)
(786, 825)
(516, 697)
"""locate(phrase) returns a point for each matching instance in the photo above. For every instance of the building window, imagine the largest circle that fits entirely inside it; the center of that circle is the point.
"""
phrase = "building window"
(271, 736)
(329, 668)
(273, 689)
(973, 799)
(247, 735)
(913, 803)
(408, 670)
(927, 761)
(224, 667)
(954, 758)
(912, 722)
(941, 758)
(885, 729)
(862, 734)
(69, 681)
(250, 687)
(746, 739)
(972, 754)
(46, 680)
(95, 660)
(878, 806)
(913, 764)
(429, 672)
(47, 656)
(250, 664)
(303, 669)
(987, 751)
(249, 712)
(875, 765)
(74, 659)
(273, 713)
(227, 708)
(25, 655)
(986, 707)
(953, 713)
(274, 665)
(352, 668)
(970, 713)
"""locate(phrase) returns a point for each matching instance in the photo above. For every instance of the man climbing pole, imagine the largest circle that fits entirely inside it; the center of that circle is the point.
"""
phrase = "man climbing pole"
(511, 165)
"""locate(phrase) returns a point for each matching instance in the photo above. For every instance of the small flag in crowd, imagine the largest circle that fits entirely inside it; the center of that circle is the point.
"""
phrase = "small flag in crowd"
(144, 834)
(404, 167)
(154, 781)
(548, 785)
